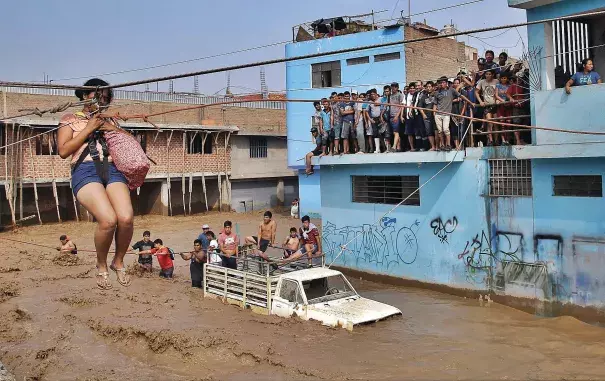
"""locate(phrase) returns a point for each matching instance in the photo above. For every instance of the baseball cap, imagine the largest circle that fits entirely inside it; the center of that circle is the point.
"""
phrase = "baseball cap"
(313, 129)
(205, 226)
(354, 92)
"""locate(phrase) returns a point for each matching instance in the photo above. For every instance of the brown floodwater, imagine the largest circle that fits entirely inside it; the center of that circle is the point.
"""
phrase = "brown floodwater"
(56, 325)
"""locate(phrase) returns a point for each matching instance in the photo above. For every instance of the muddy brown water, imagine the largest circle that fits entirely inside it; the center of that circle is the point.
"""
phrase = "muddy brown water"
(56, 325)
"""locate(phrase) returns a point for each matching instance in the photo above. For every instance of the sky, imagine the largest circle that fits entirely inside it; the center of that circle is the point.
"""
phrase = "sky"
(63, 39)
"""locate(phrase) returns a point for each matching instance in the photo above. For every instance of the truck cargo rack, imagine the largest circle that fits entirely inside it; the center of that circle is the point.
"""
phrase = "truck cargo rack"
(254, 282)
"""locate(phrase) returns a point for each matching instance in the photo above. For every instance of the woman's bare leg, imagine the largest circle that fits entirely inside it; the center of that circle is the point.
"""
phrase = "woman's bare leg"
(94, 199)
(119, 196)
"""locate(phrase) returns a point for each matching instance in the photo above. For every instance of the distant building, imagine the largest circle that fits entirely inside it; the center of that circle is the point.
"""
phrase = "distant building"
(227, 157)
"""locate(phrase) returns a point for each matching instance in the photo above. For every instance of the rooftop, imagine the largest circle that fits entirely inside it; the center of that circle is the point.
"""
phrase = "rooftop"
(313, 273)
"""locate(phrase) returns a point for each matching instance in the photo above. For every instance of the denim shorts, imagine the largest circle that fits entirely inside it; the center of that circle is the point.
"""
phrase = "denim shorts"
(86, 173)
(337, 129)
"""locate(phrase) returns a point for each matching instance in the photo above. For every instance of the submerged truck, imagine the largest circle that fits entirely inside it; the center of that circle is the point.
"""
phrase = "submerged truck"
(310, 293)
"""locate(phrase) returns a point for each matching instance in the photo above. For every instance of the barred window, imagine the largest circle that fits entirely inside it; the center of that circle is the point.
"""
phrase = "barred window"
(258, 147)
(386, 189)
(195, 146)
(387, 57)
(510, 178)
(47, 144)
(358, 61)
(578, 186)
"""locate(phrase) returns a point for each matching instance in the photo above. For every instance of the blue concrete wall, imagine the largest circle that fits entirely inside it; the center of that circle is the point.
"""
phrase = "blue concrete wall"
(563, 8)
(582, 110)
(310, 195)
(544, 247)
(361, 77)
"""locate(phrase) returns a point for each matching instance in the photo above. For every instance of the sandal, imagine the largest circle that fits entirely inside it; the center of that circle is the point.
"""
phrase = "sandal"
(123, 278)
(103, 281)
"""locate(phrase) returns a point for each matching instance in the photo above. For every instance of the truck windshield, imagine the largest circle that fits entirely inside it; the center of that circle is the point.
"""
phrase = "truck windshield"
(326, 289)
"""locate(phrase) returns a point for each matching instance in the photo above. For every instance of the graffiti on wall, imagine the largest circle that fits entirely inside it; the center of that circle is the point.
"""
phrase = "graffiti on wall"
(382, 246)
(442, 229)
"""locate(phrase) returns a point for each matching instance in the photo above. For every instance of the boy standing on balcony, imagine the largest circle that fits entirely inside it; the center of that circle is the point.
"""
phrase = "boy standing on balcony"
(337, 121)
(325, 127)
(347, 110)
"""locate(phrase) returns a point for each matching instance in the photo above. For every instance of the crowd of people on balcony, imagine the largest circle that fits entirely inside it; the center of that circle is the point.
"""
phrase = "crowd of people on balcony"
(425, 116)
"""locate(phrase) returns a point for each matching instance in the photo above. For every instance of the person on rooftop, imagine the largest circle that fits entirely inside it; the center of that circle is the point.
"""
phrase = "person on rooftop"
(585, 77)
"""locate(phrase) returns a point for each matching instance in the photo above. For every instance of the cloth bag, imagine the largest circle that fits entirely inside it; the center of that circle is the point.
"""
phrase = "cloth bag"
(128, 157)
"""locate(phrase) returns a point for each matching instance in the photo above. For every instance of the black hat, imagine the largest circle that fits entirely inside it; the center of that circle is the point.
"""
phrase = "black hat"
(313, 129)
(95, 82)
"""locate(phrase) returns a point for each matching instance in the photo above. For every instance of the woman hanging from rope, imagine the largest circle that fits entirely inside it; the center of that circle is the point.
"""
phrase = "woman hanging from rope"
(96, 182)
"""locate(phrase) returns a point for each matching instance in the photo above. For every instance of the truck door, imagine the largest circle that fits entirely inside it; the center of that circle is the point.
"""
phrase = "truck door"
(287, 300)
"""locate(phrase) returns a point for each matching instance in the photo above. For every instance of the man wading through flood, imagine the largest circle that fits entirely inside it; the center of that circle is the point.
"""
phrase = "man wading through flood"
(96, 182)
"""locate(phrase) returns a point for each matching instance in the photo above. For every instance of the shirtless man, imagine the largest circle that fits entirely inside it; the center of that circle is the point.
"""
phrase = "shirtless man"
(266, 232)
(310, 240)
(67, 246)
(292, 243)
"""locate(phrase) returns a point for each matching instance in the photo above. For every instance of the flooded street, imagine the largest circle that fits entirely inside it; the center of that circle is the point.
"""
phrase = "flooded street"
(56, 325)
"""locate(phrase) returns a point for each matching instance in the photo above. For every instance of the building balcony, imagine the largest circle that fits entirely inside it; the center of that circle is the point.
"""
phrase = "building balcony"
(390, 158)
(582, 110)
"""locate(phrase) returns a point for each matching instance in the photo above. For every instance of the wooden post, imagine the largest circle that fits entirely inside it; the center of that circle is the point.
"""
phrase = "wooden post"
(7, 184)
(21, 157)
(226, 169)
(168, 171)
(15, 167)
(205, 135)
(183, 173)
(31, 156)
(52, 171)
(218, 177)
(191, 172)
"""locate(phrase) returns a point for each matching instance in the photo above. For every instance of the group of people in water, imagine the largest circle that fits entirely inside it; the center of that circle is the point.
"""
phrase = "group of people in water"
(304, 242)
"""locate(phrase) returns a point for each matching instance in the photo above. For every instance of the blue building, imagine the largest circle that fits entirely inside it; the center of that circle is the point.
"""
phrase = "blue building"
(521, 221)
(318, 77)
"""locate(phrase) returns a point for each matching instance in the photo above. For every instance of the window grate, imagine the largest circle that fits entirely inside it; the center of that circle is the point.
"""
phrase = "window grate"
(258, 148)
(387, 57)
(510, 178)
(358, 61)
(195, 146)
(386, 189)
(578, 186)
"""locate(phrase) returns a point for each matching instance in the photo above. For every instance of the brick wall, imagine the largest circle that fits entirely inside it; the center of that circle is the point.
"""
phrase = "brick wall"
(168, 158)
(429, 60)
(247, 119)
(171, 158)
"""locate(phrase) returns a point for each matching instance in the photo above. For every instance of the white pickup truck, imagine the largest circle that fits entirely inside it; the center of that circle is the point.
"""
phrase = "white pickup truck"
(316, 293)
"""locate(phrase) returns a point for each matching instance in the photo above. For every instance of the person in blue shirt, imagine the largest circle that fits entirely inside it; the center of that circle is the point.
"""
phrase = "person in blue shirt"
(585, 77)
(202, 237)
(325, 127)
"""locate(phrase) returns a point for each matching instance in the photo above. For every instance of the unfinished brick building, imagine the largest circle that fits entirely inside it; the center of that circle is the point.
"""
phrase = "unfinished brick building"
(193, 150)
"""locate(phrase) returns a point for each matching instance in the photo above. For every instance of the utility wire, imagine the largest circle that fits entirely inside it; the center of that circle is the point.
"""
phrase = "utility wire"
(429, 11)
(175, 63)
(296, 58)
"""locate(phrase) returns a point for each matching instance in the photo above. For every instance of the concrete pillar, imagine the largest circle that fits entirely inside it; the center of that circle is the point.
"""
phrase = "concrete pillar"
(226, 193)
(160, 205)
(281, 192)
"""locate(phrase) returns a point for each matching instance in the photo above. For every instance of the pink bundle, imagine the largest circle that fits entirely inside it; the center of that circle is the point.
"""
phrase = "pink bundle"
(128, 157)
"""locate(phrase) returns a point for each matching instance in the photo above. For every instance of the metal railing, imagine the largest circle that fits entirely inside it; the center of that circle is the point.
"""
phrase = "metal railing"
(149, 96)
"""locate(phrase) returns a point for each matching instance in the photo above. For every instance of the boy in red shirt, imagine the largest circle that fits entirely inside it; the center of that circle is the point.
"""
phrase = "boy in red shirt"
(163, 255)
